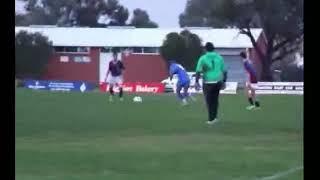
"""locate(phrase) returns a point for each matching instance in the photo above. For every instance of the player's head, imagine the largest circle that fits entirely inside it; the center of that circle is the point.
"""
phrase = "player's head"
(209, 47)
(243, 55)
(115, 55)
(172, 61)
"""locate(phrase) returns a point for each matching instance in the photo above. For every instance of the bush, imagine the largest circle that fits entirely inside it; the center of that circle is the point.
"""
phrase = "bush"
(185, 48)
(292, 73)
(32, 53)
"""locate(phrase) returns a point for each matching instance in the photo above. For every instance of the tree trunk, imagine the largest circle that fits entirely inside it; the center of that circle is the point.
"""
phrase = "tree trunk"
(266, 74)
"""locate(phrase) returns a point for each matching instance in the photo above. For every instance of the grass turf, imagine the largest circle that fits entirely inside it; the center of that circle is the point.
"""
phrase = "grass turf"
(76, 136)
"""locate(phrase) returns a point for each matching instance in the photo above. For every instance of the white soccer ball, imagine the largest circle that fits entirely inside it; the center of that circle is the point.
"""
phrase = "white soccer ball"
(137, 99)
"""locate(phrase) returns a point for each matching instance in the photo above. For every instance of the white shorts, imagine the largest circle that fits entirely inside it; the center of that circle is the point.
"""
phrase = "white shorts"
(252, 85)
(115, 80)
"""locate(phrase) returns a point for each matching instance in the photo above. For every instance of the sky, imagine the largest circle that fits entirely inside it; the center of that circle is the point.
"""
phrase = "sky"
(19, 7)
(164, 12)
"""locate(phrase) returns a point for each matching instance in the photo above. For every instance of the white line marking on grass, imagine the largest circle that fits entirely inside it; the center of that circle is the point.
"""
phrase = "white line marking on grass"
(281, 174)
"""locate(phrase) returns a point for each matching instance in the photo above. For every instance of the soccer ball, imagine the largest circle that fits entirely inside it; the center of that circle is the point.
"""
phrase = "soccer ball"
(137, 99)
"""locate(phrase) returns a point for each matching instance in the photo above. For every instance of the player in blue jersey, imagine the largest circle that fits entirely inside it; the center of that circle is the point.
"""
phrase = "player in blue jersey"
(183, 81)
(251, 82)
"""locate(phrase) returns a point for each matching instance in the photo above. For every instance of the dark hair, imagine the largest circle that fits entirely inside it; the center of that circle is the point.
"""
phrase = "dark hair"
(172, 61)
(209, 47)
(243, 55)
(115, 50)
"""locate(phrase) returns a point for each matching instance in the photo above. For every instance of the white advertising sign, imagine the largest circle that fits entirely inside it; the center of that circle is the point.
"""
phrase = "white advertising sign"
(295, 88)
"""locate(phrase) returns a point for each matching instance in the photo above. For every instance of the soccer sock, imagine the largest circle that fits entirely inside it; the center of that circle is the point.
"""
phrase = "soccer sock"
(111, 91)
(257, 103)
(180, 96)
(121, 93)
(250, 101)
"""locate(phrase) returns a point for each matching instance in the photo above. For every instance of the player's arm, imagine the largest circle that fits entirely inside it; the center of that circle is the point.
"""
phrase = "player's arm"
(224, 70)
(107, 74)
(224, 73)
(122, 66)
(171, 71)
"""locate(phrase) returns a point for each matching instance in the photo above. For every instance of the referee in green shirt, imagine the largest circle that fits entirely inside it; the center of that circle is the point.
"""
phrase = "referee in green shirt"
(211, 65)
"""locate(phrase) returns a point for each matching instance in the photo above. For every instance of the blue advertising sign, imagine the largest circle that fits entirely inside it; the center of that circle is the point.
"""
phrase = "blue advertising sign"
(34, 84)
(58, 85)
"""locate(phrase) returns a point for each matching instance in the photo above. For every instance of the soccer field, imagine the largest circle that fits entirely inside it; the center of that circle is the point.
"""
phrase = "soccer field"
(82, 136)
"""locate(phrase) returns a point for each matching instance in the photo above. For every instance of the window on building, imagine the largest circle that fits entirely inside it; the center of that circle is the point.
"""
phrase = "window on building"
(122, 49)
(81, 59)
(64, 59)
(105, 49)
(59, 49)
(151, 50)
(137, 50)
(71, 49)
(83, 49)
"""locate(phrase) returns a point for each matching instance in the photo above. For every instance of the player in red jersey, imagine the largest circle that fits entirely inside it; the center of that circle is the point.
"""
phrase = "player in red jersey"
(251, 82)
(116, 68)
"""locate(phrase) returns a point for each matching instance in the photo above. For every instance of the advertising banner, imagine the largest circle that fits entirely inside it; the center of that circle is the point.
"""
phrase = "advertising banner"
(58, 85)
(295, 88)
(231, 88)
(136, 87)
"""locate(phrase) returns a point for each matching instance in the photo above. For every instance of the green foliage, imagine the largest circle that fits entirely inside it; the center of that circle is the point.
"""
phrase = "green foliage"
(292, 73)
(193, 49)
(32, 52)
(185, 48)
(281, 21)
(203, 13)
(173, 47)
(141, 19)
(72, 12)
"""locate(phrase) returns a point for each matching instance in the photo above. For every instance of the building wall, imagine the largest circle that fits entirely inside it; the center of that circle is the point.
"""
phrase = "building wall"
(144, 68)
(139, 67)
(73, 71)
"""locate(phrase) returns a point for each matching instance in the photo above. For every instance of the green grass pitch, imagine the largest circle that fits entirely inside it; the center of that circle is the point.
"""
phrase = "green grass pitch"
(81, 136)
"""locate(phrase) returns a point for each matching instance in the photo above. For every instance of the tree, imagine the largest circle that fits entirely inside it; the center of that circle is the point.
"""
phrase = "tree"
(141, 19)
(185, 48)
(87, 17)
(32, 54)
(281, 21)
(121, 15)
(73, 12)
(193, 51)
(292, 73)
(202, 13)
(173, 47)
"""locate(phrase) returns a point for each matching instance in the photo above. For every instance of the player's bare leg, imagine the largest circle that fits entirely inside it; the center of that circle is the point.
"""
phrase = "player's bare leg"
(254, 97)
(180, 96)
(188, 95)
(111, 93)
(250, 97)
(120, 92)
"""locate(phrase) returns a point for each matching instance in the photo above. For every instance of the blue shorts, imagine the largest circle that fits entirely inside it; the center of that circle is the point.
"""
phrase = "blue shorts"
(183, 84)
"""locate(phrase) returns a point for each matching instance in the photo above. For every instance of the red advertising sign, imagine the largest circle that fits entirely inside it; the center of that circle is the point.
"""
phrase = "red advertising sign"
(136, 87)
